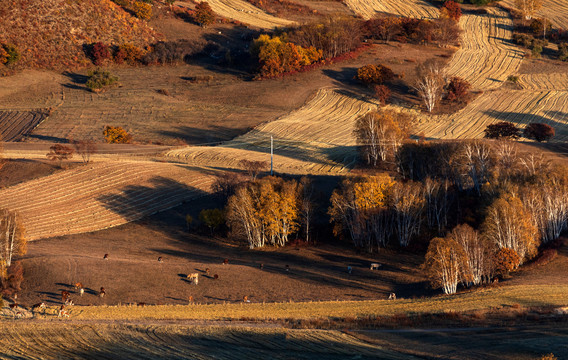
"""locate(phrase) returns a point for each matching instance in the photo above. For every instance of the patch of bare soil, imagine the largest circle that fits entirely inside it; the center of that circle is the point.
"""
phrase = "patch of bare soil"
(17, 171)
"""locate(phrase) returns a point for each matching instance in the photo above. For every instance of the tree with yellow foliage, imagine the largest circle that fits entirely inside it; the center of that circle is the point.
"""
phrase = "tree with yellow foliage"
(528, 7)
(508, 224)
(265, 211)
(360, 206)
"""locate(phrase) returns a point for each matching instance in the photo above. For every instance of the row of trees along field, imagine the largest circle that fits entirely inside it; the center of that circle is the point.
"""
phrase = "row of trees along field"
(290, 50)
(481, 208)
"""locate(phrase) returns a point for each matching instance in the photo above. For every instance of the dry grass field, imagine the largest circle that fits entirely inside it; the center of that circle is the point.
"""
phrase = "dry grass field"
(555, 11)
(101, 195)
(317, 138)
(15, 125)
(156, 340)
(411, 8)
(486, 56)
(245, 12)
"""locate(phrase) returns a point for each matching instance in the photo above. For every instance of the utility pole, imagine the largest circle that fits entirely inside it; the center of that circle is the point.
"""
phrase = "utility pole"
(271, 155)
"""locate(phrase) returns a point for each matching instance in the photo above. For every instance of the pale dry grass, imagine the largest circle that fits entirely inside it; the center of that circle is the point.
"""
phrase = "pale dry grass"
(483, 299)
(486, 56)
(556, 11)
(410, 8)
(518, 107)
(102, 195)
(245, 12)
(317, 138)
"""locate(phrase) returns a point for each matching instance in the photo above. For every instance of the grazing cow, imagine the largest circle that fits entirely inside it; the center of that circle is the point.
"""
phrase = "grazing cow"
(14, 306)
(226, 262)
(392, 296)
(349, 270)
(375, 266)
(207, 271)
(39, 306)
(261, 266)
(193, 278)
(287, 267)
(78, 286)
(63, 312)
(105, 257)
(190, 299)
(160, 260)
(69, 302)
(142, 304)
(245, 299)
(495, 281)
(102, 293)
(216, 277)
(64, 295)
(19, 315)
(81, 291)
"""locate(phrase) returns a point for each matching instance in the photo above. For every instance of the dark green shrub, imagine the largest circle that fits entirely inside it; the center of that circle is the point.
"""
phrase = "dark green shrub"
(100, 79)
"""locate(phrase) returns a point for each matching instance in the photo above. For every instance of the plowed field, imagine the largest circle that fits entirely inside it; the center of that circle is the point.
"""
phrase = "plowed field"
(409, 8)
(247, 13)
(317, 138)
(101, 195)
(14, 125)
(486, 57)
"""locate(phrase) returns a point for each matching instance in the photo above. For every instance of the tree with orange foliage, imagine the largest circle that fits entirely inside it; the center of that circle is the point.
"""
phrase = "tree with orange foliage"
(384, 28)
(204, 15)
(116, 135)
(451, 10)
(374, 74)
(506, 260)
(59, 152)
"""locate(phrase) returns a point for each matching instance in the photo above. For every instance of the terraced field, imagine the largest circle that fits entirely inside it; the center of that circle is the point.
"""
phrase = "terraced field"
(245, 12)
(486, 57)
(555, 11)
(317, 138)
(550, 81)
(14, 125)
(410, 8)
(519, 107)
(102, 195)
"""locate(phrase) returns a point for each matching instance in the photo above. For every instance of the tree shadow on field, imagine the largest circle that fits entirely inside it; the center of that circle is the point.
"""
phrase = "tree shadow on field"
(560, 128)
(343, 77)
(212, 135)
(77, 80)
(137, 201)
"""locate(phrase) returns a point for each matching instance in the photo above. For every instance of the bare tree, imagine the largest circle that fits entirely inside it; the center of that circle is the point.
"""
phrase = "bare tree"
(528, 7)
(438, 203)
(307, 206)
(408, 203)
(477, 161)
(85, 148)
(380, 134)
(430, 83)
(253, 168)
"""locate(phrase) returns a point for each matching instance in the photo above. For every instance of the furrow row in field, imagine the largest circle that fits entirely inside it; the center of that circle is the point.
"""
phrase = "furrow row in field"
(14, 125)
(486, 57)
(317, 138)
(549, 81)
(245, 12)
(102, 195)
(409, 8)
(555, 11)
(518, 107)
(61, 340)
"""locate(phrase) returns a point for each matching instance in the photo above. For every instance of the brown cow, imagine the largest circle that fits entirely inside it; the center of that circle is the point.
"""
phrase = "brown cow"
(226, 262)
(64, 295)
(102, 293)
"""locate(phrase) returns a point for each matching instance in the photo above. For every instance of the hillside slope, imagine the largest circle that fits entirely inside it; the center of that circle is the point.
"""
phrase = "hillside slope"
(50, 33)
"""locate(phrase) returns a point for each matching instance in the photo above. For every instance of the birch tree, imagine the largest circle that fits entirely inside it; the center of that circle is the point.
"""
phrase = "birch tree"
(478, 254)
(444, 262)
(430, 83)
(12, 239)
(528, 7)
(408, 204)
(508, 224)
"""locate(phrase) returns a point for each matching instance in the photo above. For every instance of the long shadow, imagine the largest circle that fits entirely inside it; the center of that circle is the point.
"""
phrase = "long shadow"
(561, 128)
(211, 136)
(137, 201)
